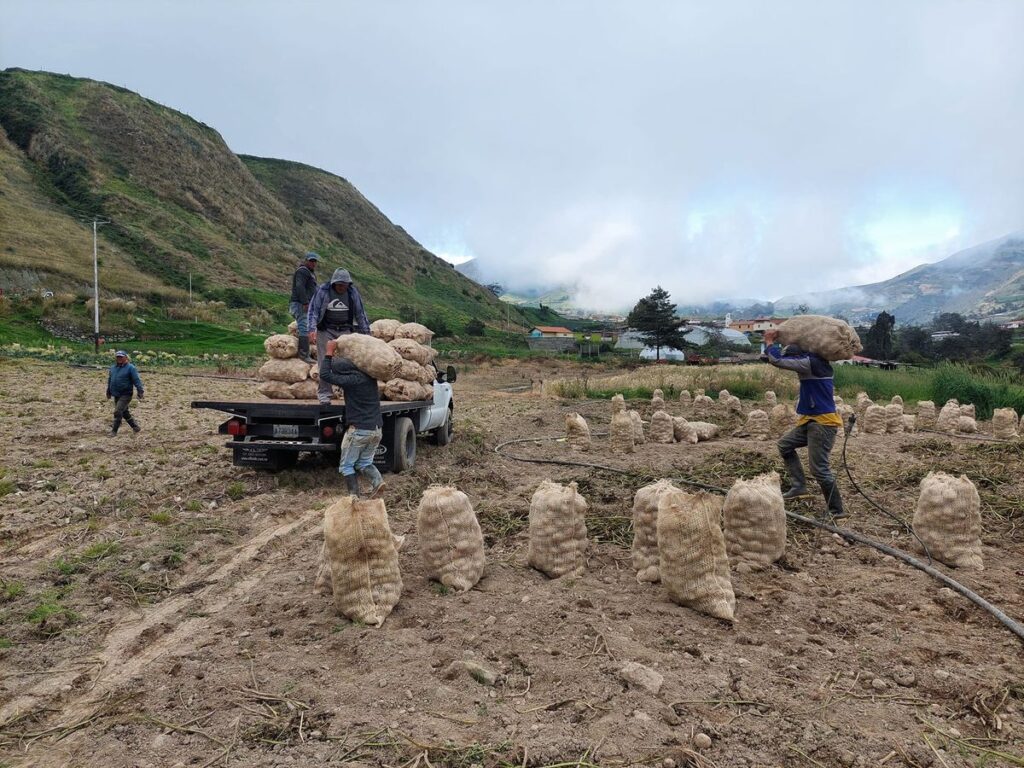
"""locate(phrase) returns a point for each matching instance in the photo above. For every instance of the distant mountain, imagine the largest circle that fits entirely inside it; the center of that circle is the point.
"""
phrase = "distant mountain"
(183, 209)
(984, 281)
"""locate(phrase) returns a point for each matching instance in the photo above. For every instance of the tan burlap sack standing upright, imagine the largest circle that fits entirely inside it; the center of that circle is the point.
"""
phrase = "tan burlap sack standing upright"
(363, 559)
(451, 543)
(577, 433)
(949, 417)
(782, 417)
(925, 414)
(968, 410)
(685, 399)
(418, 333)
(638, 428)
(693, 563)
(281, 346)
(658, 400)
(1004, 423)
(909, 423)
(662, 430)
(758, 426)
(645, 530)
(862, 405)
(723, 395)
(770, 399)
(618, 404)
(384, 329)
(948, 520)
(703, 405)
(894, 418)
(897, 400)
(370, 355)
(874, 422)
(827, 337)
(621, 433)
(966, 425)
(755, 522)
(558, 530)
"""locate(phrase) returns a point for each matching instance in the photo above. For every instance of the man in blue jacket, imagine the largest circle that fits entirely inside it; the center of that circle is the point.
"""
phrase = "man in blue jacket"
(335, 310)
(817, 427)
(122, 379)
(362, 418)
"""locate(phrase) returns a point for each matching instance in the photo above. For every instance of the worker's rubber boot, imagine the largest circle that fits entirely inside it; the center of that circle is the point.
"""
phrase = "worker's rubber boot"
(833, 499)
(135, 427)
(304, 350)
(352, 481)
(372, 475)
(115, 426)
(796, 492)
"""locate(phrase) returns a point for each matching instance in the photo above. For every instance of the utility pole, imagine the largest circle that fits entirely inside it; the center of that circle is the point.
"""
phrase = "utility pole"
(96, 286)
(190, 287)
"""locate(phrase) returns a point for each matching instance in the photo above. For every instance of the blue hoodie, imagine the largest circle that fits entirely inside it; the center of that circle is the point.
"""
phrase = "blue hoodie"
(817, 393)
(121, 379)
(318, 304)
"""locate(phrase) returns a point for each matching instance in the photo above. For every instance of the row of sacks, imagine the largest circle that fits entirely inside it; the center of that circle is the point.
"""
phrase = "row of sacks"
(627, 431)
(415, 376)
(952, 418)
(686, 541)
(284, 376)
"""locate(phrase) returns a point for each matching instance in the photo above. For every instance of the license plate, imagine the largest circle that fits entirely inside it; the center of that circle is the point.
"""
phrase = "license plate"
(286, 430)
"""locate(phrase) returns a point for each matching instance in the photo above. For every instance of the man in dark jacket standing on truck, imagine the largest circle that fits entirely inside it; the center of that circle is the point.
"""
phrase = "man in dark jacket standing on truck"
(303, 288)
(122, 379)
(335, 310)
(362, 419)
(817, 427)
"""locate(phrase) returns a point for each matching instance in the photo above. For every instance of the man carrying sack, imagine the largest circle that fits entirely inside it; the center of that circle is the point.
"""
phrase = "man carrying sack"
(335, 310)
(303, 288)
(817, 427)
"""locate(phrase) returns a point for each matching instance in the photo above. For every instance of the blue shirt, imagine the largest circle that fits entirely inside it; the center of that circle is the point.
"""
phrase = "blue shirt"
(817, 389)
(121, 379)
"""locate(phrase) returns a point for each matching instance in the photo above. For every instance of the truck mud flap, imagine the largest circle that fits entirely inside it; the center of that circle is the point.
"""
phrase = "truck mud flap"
(263, 457)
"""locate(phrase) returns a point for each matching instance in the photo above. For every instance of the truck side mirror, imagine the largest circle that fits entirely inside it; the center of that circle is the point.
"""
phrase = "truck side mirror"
(451, 374)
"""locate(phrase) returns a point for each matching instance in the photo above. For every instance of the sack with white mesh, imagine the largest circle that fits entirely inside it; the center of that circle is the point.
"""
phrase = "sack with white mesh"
(384, 329)
(758, 426)
(281, 346)
(685, 399)
(363, 560)
(621, 433)
(948, 520)
(909, 423)
(967, 425)
(680, 431)
(288, 371)
(558, 530)
(370, 355)
(451, 543)
(418, 333)
(770, 398)
(755, 522)
(925, 414)
(837, 400)
(733, 405)
(403, 391)
(968, 410)
(658, 400)
(874, 422)
(1004, 423)
(826, 337)
(703, 405)
(412, 371)
(894, 418)
(618, 404)
(693, 563)
(276, 390)
(723, 395)
(577, 432)
(781, 417)
(662, 430)
(304, 390)
(638, 428)
(645, 530)
(293, 329)
(698, 431)
(949, 417)
(409, 349)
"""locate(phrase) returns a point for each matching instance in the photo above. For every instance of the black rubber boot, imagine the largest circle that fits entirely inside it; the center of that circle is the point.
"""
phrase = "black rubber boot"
(372, 475)
(352, 481)
(833, 499)
(115, 426)
(131, 423)
(304, 350)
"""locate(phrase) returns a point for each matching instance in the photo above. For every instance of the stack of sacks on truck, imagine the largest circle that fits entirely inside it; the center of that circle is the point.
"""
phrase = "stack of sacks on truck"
(284, 375)
(415, 378)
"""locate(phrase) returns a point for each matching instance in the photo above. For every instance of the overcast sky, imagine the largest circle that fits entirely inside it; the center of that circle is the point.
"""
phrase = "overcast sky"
(721, 149)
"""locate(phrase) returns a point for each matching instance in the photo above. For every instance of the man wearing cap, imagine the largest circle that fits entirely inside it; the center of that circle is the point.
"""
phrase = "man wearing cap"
(336, 309)
(303, 288)
(122, 379)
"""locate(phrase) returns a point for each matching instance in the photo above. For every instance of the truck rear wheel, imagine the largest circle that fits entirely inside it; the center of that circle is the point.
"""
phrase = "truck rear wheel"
(403, 447)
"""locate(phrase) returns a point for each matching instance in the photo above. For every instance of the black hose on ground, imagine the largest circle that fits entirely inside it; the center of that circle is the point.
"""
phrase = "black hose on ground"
(852, 536)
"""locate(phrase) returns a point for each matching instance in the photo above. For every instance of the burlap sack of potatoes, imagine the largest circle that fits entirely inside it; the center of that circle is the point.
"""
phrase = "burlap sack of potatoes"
(639, 438)
(370, 355)
(685, 398)
(662, 428)
(577, 432)
(289, 371)
(657, 400)
(966, 425)
(413, 371)
(384, 329)
(909, 423)
(645, 530)
(698, 431)
(304, 390)
(755, 522)
(692, 559)
(894, 418)
(874, 422)
(618, 404)
(1004, 423)
(948, 520)
(276, 390)
(949, 417)
(410, 349)
(826, 337)
(621, 434)
(418, 333)
(403, 391)
(926, 414)
(450, 540)
(703, 405)
(558, 530)
(281, 346)
(968, 410)
(770, 399)
(758, 426)
(363, 560)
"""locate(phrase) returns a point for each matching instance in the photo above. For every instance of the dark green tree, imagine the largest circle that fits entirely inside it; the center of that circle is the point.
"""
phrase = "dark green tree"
(880, 340)
(474, 328)
(654, 316)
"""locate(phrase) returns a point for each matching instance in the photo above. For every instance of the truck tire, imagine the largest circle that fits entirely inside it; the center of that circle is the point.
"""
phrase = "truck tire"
(443, 434)
(403, 447)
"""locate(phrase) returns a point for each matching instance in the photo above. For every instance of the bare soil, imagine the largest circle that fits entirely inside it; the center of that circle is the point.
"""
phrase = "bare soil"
(157, 605)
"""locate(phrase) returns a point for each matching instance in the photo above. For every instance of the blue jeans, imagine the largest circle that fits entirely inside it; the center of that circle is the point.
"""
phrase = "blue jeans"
(296, 311)
(358, 447)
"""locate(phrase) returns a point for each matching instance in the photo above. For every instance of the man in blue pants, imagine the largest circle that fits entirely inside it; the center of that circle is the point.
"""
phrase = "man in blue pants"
(362, 417)
(817, 427)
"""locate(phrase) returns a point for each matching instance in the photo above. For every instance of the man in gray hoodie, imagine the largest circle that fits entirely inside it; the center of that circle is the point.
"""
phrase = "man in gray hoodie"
(336, 309)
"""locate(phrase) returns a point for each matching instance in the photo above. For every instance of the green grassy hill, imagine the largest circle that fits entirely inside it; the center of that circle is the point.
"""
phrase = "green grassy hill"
(180, 202)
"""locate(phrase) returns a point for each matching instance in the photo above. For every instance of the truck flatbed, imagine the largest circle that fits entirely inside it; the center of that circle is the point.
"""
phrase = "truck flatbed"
(267, 405)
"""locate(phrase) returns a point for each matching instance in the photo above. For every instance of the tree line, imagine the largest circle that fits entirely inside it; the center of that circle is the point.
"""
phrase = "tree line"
(950, 336)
